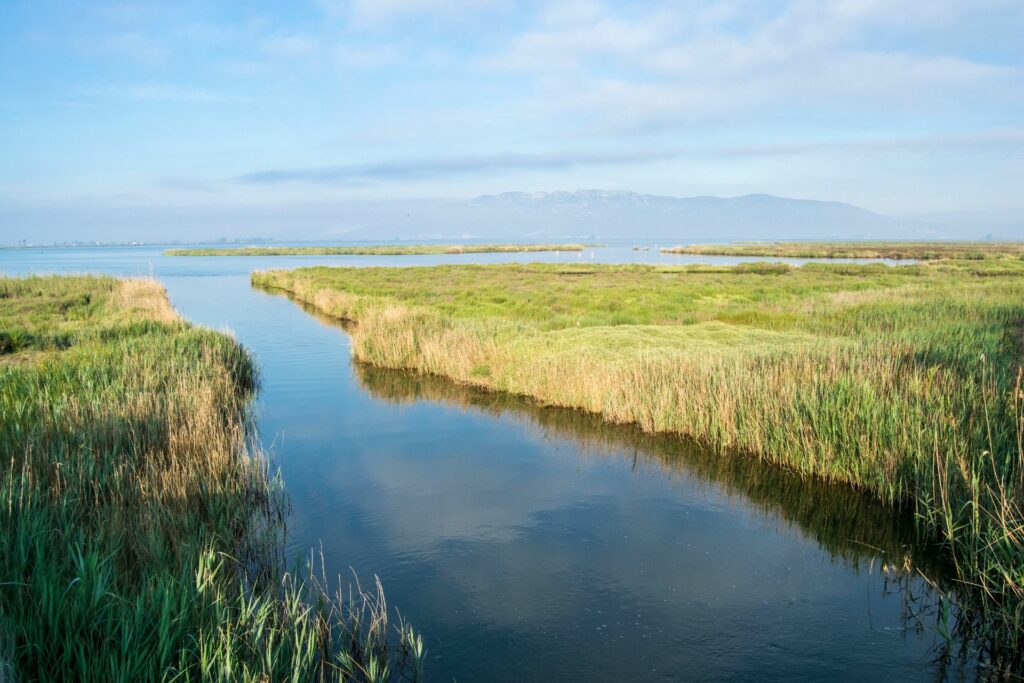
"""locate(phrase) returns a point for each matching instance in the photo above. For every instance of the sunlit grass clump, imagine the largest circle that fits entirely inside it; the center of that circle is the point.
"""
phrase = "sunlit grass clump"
(139, 530)
(902, 381)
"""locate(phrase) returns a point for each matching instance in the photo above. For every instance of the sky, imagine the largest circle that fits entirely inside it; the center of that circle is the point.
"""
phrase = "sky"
(912, 106)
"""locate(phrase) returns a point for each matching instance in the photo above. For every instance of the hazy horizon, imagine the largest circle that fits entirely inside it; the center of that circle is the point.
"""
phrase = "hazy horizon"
(186, 120)
(518, 216)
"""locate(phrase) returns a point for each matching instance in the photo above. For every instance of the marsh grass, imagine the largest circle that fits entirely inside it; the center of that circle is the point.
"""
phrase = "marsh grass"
(921, 251)
(140, 527)
(384, 250)
(902, 382)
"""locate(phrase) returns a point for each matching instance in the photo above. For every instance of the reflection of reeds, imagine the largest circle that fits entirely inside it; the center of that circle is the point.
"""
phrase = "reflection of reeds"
(898, 381)
(847, 523)
(140, 531)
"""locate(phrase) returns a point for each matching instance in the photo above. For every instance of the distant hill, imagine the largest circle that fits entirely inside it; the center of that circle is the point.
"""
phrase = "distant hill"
(602, 214)
(583, 215)
(630, 215)
(610, 215)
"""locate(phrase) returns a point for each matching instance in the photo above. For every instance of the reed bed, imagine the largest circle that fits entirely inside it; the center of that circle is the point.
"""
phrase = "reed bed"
(140, 528)
(903, 382)
(920, 251)
(385, 250)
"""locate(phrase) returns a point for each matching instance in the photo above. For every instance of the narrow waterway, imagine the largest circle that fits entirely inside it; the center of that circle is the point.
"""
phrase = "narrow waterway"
(530, 543)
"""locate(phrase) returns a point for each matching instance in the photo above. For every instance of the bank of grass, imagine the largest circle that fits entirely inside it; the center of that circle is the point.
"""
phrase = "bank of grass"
(902, 381)
(920, 251)
(139, 529)
(384, 250)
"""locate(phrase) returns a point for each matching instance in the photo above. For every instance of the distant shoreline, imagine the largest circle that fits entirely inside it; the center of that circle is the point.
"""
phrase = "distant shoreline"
(921, 251)
(387, 250)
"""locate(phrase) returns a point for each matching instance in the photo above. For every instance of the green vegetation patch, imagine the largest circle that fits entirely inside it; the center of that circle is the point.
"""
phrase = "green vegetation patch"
(920, 251)
(385, 250)
(622, 342)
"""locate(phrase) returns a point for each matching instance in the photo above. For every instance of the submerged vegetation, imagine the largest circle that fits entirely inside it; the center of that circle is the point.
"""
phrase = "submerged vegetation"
(901, 381)
(385, 250)
(920, 251)
(139, 528)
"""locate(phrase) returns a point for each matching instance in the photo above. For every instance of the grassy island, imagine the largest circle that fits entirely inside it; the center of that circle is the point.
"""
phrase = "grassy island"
(139, 529)
(919, 251)
(901, 381)
(385, 250)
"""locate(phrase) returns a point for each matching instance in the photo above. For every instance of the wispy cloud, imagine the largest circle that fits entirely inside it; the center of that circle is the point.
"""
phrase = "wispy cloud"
(367, 56)
(295, 45)
(161, 92)
(371, 12)
(406, 169)
(135, 46)
(429, 168)
(671, 66)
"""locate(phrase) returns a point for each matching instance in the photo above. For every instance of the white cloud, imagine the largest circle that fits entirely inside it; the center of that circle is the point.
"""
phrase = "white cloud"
(397, 170)
(175, 93)
(569, 47)
(160, 92)
(134, 46)
(367, 56)
(681, 63)
(372, 12)
(291, 45)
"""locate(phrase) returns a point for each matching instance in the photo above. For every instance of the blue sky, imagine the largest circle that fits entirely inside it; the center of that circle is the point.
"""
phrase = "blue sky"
(898, 106)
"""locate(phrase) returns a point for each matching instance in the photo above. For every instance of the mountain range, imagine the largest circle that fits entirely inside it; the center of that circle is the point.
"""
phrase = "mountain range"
(590, 215)
(603, 214)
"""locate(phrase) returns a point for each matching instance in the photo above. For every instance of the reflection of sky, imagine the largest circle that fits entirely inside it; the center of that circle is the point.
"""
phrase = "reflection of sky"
(519, 557)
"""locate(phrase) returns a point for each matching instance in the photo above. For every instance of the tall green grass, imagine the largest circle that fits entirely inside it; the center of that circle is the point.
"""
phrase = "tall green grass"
(140, 528)
(903, 382)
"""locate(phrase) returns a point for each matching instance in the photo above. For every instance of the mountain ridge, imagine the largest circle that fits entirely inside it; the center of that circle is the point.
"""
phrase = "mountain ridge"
(624, 214)
(586, 214)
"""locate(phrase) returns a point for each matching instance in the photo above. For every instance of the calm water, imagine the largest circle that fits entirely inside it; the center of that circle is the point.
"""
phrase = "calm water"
(540, 544)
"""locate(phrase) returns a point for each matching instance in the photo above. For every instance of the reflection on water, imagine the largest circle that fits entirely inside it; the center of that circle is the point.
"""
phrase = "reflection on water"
(849, 524)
